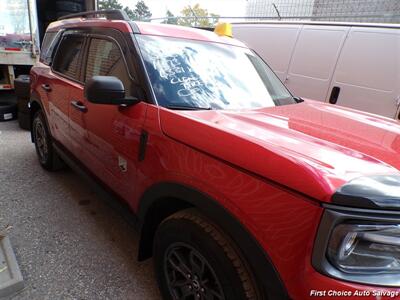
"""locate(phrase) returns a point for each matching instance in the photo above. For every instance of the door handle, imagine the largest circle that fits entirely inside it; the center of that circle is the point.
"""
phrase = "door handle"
(334, 95)
(46, 87)
(79, 106)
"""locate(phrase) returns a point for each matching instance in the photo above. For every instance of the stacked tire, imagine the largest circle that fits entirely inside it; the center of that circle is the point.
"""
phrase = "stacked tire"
(66, 7)
(8, 110)
(22, 90)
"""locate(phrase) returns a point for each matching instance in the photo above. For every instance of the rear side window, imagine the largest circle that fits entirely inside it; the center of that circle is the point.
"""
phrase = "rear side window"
(48, 45)
(67, 57)
(105, 59)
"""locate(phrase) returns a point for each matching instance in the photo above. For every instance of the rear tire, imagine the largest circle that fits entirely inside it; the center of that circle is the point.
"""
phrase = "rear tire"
(194, 259)
(48, 157)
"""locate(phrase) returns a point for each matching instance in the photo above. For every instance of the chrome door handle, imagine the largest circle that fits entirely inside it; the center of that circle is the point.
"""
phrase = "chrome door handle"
(79, 106)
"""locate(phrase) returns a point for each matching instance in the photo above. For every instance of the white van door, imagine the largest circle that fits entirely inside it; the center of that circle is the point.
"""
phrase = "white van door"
(367, 73)
(273, 42)
(314, 59)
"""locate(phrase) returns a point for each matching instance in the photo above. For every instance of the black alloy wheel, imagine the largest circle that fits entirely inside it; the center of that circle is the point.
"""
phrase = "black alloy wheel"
(189, 274)
(195, 260)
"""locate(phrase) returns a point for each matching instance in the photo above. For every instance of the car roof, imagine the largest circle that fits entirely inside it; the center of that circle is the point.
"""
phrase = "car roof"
(146, 28)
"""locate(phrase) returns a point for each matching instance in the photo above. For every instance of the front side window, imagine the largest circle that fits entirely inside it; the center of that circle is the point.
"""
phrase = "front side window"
(105, 59)
(195, 74)
(67, 57)
(48, 46)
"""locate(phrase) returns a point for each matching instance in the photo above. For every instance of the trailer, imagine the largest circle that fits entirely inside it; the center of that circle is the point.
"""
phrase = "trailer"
(22, 26)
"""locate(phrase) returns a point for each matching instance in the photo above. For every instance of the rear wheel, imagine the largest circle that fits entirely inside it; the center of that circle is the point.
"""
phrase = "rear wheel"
(48, 157)
(194, 259)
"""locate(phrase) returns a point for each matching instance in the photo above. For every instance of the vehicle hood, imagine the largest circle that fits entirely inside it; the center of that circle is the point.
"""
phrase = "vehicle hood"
(311, 147)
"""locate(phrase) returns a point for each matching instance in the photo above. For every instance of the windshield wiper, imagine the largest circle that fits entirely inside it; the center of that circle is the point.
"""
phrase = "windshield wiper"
(184, 107)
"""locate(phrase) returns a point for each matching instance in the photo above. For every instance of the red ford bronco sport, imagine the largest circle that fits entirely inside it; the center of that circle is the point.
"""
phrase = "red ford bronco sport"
(240, 190)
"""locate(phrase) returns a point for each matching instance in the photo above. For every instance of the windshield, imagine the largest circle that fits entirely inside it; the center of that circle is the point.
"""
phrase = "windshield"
(204, 75)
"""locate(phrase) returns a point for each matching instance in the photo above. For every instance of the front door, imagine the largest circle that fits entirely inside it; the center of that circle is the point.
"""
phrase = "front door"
(113, 131)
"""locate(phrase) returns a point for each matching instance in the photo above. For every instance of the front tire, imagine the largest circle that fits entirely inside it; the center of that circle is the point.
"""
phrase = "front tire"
(194, 259)
(48, 157)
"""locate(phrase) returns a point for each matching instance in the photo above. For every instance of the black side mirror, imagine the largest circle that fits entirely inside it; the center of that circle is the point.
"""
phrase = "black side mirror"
(107, 90)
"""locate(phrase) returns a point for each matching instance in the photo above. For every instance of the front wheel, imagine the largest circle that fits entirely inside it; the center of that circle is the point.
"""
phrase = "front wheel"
(48, 157)
(195, 260)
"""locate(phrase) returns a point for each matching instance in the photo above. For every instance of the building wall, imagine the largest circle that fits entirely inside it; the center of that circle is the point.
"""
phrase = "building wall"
(387, 11)
(358, 11)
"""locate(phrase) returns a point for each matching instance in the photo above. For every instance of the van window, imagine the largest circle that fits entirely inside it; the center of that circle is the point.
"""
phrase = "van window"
(67, 56)
(105, 59)
(374, 59)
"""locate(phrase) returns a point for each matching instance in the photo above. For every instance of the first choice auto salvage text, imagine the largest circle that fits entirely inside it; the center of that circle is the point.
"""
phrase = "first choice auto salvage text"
(356, 293)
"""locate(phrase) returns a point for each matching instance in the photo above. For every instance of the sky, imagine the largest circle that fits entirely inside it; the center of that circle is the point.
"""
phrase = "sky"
(228, 8)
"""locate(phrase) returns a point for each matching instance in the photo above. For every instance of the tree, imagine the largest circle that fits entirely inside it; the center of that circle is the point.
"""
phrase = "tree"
(197, 16)
(109, 4)
(141, 11)
(171, 19)
(131, 14)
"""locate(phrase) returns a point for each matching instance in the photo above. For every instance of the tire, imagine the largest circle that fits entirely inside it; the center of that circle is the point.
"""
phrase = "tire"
(22, 104)
(62, 14)
(8, 110)
(215, 263)
(50, 16)
(69, 6)
(48, 157)
(24, 120)
(22, 86)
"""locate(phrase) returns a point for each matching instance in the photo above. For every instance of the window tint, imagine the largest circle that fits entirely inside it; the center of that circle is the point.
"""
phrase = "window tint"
(105, 59)
(67, 57)
(48, 45)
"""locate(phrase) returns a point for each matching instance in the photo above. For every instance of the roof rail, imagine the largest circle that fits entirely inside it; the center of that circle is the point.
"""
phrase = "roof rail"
(110, 14)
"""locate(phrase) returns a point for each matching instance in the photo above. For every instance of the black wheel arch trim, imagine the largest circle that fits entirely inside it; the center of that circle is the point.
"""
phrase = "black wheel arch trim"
(35, 99)
(265, 272)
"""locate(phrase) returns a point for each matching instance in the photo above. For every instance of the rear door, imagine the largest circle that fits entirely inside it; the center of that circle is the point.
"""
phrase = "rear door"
(367, 73)
(314, 60)
(65, 74)
(273, 42)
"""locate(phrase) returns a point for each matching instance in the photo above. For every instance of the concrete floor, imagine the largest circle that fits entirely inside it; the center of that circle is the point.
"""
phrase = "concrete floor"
(69, 243)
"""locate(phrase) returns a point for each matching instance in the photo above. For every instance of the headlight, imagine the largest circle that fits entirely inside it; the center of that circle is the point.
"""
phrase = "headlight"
(365, 249)
(359, 245)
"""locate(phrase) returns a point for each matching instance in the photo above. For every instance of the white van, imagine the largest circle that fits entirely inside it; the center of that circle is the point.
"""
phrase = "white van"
(350, 64)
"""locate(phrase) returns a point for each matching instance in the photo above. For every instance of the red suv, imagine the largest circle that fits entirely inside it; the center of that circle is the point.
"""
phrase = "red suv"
(240, 190)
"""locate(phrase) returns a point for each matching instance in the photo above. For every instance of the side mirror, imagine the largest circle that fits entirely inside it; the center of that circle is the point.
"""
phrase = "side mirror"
(107, 90)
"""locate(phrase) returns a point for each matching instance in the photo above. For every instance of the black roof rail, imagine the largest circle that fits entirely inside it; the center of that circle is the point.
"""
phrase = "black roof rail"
(110, 14)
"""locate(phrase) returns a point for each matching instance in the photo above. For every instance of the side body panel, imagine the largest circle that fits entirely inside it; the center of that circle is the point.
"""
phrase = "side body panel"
(368, 71)
(314, 60)
(257, 205)
(274, 43)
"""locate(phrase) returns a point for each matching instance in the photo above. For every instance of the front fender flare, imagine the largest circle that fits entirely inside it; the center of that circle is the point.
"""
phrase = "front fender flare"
(168, 192)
